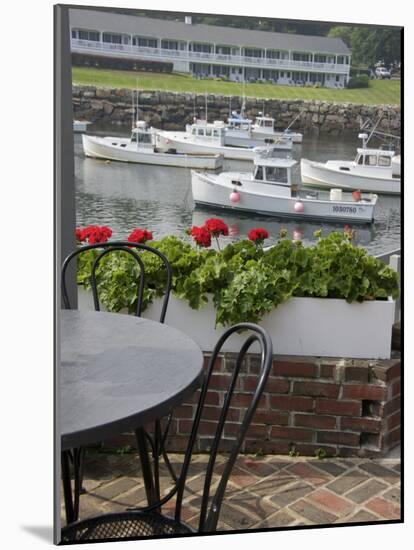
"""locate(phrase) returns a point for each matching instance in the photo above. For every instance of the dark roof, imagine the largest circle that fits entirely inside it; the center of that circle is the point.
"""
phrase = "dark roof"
(160, 28)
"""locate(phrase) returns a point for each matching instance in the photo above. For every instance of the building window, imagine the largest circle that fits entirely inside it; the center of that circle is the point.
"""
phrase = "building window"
(112, 38)
(300, 56)
(145, 42)
(337, 78)
(201, 48)
(253, 52)
(223, 50)
(273, 54)
(318, 58)
(169, 44)
(88, 35)
(73, 34)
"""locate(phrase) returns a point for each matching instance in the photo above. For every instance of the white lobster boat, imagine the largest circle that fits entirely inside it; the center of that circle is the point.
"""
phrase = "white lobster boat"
(80, 126)
(242, 132)
(373, 170)
(210, 137)
(269, 191)
(140, 148)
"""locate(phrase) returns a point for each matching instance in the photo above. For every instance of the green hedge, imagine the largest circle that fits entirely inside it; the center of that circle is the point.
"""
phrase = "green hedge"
(361, 81)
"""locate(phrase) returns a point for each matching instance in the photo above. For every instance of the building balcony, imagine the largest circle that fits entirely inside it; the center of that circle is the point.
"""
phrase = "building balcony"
(160, 54)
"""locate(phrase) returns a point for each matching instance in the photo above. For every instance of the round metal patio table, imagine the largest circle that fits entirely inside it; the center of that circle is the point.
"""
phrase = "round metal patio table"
(120, 372)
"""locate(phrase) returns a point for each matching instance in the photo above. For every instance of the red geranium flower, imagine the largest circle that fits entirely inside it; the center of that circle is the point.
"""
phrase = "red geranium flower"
(258, 234)
(78, 234)
(140, 236)
(201, 236)
(94, 234)
(216, 227)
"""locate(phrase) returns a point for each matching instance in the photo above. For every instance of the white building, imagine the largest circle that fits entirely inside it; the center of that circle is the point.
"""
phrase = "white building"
(210, 50)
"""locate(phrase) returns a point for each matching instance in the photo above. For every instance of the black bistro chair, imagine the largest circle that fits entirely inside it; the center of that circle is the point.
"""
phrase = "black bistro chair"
(157, 441)
(150, 522)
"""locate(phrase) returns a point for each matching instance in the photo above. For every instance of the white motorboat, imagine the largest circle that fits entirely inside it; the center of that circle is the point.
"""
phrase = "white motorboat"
(209, 137)
(269, 191)
(242, 132)
(373, 170)
(140, 148)
(80, 126)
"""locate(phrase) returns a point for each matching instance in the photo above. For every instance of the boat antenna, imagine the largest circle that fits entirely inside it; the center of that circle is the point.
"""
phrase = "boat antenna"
(293, 121)
(194, 106)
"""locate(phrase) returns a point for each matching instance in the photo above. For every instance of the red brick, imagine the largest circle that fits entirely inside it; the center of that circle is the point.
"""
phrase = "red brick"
(255, 430)
(279, 446)
(212, 398)
(363, 424)
(364, 391)
(396, 388)
(394, 420)
(271, 417)
(316, 389)
(340, 438)
(392, 406)
(310, 449)
(295, 369)
(293, 434)
(206, 428)
(184, 411)
(184, 426)
(387, 370)
(219, 381)
(393, 437)
(335, 504)
(308, 474)
(273, 385)
(245, 399)
(342, 408)
(384, 508)
(288, 403)
(315, 421)
(327, 371)
(213, 413)
(359, 374)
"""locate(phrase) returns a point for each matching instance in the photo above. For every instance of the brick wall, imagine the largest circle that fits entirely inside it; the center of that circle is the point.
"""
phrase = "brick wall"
(345, 407)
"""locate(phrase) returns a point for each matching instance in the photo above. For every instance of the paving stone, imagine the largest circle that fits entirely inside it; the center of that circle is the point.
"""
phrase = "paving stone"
(313, 513)
(384, 508)
(270, 485)
(337, 505)
(362, 516)
(281, 519)
(259, 468)
(111, 490)
(377, 470)
(394, 495)
(292, 492)
(366, 491)
(308, 473)
(328, 467)
(253, 504)
(347, 481)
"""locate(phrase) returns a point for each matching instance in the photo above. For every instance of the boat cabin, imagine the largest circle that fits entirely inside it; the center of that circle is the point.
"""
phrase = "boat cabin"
(380, 158)
(264, 124)
(238, 122)
(201, 130)
(274, 170)
(142, 135)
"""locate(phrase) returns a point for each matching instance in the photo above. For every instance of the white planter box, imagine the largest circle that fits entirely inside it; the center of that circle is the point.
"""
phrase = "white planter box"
(301, 326)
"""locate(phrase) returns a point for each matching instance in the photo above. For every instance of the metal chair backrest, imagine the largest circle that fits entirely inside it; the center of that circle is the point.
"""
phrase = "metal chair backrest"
(125, 247)
(211, 505)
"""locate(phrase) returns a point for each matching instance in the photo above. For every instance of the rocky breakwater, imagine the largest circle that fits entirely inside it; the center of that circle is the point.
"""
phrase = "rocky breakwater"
(171, 111)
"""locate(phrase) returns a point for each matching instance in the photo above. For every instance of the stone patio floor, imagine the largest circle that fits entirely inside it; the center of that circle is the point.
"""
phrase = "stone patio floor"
(263, 492)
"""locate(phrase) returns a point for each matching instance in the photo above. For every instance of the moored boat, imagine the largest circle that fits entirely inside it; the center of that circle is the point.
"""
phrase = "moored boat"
(374, 170)
(242, 132)
(269, 191)
(140, 148)
(207, 137)
(80, 126)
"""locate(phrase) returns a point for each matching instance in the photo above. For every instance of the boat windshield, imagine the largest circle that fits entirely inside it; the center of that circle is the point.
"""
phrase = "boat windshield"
(276, 173)
(144, 138)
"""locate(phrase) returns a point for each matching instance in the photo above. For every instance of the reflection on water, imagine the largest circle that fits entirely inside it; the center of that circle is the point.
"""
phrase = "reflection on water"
(125, 196)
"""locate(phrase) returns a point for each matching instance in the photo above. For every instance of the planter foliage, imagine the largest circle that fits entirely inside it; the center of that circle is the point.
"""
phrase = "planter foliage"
(245, 281)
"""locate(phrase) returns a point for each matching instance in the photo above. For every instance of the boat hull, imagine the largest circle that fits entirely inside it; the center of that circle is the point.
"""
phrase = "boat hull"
(120, 149)
(234, 139)
(180, 142)
(215, 191)
(317, 174)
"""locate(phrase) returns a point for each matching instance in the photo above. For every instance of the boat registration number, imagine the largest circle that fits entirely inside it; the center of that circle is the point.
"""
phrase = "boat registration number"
(347, 209)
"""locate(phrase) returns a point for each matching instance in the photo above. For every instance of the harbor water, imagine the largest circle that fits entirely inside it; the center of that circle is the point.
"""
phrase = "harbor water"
(125, 196)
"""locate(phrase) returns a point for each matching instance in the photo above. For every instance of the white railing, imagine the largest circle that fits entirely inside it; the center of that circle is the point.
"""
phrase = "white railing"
(162, 54)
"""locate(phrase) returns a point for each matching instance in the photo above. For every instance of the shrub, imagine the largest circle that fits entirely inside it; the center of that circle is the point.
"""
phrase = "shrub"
(361, 81)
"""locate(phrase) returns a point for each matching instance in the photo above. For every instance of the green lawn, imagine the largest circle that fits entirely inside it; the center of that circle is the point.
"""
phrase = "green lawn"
(379, 91)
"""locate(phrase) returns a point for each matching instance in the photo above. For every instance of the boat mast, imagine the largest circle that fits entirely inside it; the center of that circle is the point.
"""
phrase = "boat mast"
(133, 108)
(206, 107)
